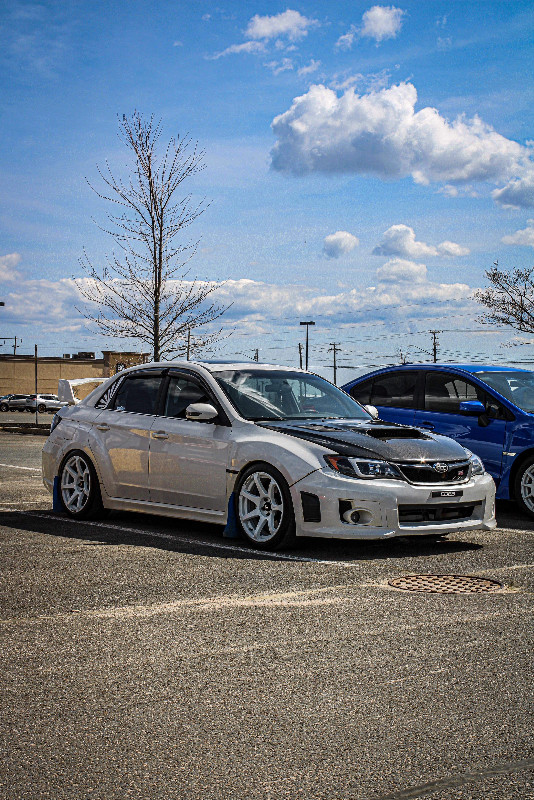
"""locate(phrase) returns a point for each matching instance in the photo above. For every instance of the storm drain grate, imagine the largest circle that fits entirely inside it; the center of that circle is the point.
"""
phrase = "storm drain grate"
(447, 584)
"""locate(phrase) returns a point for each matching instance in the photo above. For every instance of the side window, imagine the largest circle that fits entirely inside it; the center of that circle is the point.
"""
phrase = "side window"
(444, 392)
(362, 392)
(138, 394)
(180, 394)
(396, 389)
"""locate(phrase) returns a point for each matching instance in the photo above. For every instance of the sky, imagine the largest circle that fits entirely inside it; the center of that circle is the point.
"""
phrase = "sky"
(364, 165)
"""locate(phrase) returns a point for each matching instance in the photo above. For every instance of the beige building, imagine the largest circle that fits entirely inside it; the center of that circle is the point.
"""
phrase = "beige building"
(17, 373)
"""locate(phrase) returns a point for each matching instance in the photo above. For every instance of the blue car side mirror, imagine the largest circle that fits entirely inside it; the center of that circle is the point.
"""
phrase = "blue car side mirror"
(472, 407)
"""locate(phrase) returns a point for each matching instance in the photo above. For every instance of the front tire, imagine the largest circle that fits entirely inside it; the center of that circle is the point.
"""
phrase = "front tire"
(264, 509)
(79, 487)
(4, 407)
(41, 408)
(524, 487)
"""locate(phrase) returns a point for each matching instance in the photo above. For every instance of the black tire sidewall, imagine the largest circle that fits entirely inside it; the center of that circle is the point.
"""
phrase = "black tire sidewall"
(286, 535)
(4, 407)
(93, 507)
(41, 408)
(517, 486)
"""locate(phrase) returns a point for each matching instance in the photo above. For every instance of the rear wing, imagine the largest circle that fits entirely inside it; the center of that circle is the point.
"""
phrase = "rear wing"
(65, 388)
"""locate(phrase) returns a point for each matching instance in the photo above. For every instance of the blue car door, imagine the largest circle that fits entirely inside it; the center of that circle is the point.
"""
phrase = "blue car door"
(485, 435)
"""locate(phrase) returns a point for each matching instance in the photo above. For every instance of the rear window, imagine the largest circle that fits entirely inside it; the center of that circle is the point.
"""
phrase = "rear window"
(138, 394)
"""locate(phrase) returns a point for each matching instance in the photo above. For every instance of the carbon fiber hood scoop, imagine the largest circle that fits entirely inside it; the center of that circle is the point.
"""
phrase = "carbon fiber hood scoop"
(371, 439)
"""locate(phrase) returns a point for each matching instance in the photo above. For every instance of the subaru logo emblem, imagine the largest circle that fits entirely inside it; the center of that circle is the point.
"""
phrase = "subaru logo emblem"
(440, 467)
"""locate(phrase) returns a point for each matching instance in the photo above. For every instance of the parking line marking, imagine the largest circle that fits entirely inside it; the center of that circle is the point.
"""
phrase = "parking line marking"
(199, 542)
(14, 466)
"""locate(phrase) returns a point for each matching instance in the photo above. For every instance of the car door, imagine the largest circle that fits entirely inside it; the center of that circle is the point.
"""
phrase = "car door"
(485, 435)
(392, 393)
(120, 435)
(188, 459)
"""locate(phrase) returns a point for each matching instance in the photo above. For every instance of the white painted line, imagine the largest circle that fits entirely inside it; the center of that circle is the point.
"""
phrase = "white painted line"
(14, 466)
(186, 540)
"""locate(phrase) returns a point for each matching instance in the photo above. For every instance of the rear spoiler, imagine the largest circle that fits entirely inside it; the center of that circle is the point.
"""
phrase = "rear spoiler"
(65, 390)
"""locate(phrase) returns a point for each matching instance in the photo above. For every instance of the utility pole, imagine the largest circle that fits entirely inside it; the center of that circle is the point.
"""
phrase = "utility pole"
(36, 400)
(307, 339)
(256, 355)
(435, 343)
(300, 354)
(334, 348)
(188, 343)
(13, 339)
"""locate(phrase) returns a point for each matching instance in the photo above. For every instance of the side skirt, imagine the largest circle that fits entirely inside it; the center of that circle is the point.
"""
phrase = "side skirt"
(165, 510)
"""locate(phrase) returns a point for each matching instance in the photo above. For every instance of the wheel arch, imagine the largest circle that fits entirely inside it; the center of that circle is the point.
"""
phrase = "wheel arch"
(516, 466)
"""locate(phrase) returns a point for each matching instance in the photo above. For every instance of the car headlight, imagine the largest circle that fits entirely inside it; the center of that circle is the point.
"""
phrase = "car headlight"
(363, 468)
(56, 419)
(477, 467)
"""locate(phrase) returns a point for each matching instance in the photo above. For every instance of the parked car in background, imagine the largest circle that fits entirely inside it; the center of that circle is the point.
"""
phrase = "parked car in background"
(14, 402)
(277, 452)
(44, 402)
(488, 409)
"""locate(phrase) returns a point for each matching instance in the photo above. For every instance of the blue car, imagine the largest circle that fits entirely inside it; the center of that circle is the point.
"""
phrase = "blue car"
(489, 410)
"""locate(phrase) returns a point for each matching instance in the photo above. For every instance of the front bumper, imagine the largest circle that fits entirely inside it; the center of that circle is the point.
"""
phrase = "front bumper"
(384, 502)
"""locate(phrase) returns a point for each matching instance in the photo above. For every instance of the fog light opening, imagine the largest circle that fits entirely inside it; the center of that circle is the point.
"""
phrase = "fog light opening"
(357, 516)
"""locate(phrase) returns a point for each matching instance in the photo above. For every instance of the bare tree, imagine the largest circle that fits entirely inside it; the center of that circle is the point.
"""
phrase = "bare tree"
(145, 291)
(510, 298)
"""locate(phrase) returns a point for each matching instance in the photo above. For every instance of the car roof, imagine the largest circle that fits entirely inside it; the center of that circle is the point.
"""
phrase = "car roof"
(214, 366)
(472, 368)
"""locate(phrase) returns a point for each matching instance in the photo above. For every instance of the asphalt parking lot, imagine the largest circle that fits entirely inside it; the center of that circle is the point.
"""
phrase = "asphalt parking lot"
(151, 658)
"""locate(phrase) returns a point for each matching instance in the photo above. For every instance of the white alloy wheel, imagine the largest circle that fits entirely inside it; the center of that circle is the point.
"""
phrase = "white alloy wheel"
(527, 488)
(261, 507)
(76, 484)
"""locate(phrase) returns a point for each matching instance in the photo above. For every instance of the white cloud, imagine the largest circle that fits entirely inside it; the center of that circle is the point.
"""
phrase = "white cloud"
(339, 244)
(452, 249)
(313, 66)
(524, 237)
(289, 23)
(8, 263)
(518, 193)
(346, 41)
(399, 240)
(398, 269)
(380, 133)
(382, 22)
(279, 66)
(246, 47)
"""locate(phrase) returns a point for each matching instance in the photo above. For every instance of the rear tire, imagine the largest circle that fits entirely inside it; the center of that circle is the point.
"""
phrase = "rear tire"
(264, 510)
(79, 487)
(4, 407)
(524, 487)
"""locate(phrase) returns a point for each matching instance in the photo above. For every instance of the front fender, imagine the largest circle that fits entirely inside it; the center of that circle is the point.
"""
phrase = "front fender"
(293, 458)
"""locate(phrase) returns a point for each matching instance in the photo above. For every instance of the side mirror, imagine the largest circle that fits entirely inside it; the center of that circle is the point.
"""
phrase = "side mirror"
(373, 411)
(201, 412)
(474, 408)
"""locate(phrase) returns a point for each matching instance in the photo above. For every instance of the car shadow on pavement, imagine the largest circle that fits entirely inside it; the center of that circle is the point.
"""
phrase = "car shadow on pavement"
(196, 538)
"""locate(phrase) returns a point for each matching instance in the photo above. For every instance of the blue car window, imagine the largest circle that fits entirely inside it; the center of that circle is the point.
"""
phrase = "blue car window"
(396, 390)
(362, 392)
(444, 392)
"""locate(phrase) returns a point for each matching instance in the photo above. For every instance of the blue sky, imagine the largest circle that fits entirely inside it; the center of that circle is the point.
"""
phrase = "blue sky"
(364, 164)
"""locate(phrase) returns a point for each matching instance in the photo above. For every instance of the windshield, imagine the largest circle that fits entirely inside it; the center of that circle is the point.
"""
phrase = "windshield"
(278, 394)
(515, 386)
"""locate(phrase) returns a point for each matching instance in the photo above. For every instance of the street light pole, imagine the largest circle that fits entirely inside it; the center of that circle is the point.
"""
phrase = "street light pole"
(307, 338)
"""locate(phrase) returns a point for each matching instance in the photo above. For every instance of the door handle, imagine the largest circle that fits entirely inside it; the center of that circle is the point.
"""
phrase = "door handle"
(160, 435)
(103, 427)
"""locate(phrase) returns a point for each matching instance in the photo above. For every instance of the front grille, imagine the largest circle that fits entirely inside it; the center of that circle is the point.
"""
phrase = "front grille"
(436, 513)
(457, 472)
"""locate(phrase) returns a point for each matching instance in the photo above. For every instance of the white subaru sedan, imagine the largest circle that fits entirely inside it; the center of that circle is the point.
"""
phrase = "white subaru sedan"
(269, 451)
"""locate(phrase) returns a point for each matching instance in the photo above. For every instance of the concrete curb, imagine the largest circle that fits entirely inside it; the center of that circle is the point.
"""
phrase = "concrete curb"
(42, 429)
